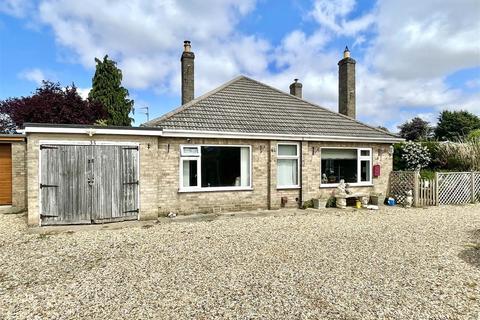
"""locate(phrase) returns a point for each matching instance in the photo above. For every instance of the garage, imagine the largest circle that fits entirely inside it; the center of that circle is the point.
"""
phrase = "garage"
(5, 174)
(85, 183)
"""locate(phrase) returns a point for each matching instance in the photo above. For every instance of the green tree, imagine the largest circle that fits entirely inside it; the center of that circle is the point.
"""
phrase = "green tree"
(474, 135)
(416, 129)
(383, 128)
(454, 125)
(107, 89)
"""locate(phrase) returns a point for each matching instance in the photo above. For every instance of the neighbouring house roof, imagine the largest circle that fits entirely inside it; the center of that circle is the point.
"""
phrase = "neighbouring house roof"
(244, 105)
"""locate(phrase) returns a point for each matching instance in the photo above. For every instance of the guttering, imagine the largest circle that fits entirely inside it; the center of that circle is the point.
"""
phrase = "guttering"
(201, 134)
(267, 136)
(15, 137)
(93, 131)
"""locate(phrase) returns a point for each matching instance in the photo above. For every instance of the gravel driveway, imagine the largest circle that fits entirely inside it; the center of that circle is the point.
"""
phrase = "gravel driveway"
(295, 264)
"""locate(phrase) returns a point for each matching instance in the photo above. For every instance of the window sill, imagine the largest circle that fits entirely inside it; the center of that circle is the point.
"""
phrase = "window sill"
(288, 187)
(334, 185)
(219, 189)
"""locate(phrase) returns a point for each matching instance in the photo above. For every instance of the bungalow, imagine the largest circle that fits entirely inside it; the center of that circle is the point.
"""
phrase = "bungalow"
(242, 146)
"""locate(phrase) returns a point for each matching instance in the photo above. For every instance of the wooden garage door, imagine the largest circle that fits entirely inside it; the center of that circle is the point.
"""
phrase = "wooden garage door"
(5, 174)
(88, 183)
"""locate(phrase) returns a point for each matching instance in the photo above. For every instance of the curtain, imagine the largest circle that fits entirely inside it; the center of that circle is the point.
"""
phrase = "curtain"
(245, 167)
(186, 173)
(339, 154)
(287, 172)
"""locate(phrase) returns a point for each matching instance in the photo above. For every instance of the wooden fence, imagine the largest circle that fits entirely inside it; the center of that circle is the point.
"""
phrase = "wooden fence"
(445, 188)
(458, 187)
(400, 183)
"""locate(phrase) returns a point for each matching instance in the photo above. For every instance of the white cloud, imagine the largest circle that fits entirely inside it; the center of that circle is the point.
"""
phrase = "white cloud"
(145, 37)
(426, 39)
(83, 92)
(34, 75)
(333, 15)
(17, 8)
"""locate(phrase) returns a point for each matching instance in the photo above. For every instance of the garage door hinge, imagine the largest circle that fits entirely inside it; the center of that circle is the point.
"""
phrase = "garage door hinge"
(47, 216)
(130, 148)
(47, 147)
(128, 211)
(135, 182)
(47, 186)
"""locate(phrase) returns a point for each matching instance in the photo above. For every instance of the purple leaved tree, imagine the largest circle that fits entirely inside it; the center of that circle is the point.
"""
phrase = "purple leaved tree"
(50, 104)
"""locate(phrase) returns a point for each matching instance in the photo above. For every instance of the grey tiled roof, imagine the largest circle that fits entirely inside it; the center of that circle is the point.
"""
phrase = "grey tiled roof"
(248, 106)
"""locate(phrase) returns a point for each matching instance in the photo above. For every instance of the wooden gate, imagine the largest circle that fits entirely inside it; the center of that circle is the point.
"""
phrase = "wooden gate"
(88, 183)
(427, 193)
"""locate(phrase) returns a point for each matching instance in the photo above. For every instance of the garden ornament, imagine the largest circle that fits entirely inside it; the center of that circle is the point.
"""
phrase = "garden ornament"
(409, 199)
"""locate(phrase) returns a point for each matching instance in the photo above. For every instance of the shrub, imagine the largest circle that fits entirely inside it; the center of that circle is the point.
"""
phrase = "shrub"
(331, 202)
(436, 162)
(474, 135)
(462, 156)
(398, 162)
(415, 155)
(307, 204)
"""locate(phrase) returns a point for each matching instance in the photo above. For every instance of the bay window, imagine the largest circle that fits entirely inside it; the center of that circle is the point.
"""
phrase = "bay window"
(213, 167)
(354, 166)
(287, 165)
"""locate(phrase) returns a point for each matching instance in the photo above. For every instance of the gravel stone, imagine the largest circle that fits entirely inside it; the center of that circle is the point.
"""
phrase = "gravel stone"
(393, 263)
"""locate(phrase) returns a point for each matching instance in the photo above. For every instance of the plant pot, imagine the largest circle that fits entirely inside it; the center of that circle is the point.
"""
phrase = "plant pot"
(374, 200)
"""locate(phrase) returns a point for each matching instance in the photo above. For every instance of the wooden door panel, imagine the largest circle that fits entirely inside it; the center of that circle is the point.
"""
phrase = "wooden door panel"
(114, 196)
(5, 174)
(64, 189)
(130, 180)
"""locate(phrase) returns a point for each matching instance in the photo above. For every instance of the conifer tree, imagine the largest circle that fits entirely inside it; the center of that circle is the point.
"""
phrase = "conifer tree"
(107, 89)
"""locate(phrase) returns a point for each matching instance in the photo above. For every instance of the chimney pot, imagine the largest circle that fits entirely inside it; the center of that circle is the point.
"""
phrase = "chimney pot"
(296, 88)
(186, 46)
(346, 53)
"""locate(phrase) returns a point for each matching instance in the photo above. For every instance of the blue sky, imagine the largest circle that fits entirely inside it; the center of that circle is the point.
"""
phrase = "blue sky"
(413, 58)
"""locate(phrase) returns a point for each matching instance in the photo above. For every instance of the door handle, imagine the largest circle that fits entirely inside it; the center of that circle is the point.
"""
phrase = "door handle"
(91, 181)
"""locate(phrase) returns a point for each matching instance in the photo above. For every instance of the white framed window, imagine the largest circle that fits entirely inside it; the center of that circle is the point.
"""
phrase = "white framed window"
(353, 165)
(288, 165)
(215, 168)
(192, 151)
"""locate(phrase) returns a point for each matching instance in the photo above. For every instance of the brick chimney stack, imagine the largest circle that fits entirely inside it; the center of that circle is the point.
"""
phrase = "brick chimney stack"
(346, 85)
(296, 89)
(188, 72)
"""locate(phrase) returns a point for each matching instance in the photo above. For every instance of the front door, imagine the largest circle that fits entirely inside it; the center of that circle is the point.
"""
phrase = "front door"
(88, 183)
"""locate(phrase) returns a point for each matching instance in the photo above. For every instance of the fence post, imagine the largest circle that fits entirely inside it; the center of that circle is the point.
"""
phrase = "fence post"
(472, 190)
(436, 189)
(416, 188)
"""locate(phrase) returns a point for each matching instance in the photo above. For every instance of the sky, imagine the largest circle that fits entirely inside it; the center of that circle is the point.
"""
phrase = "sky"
(414, 58)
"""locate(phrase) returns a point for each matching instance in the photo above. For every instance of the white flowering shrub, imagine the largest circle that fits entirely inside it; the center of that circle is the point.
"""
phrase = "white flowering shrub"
(415, 155)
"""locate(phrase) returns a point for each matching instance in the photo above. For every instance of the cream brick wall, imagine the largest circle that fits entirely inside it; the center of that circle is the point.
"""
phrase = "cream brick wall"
(149, 169)
(19, 178)
(159, 175)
